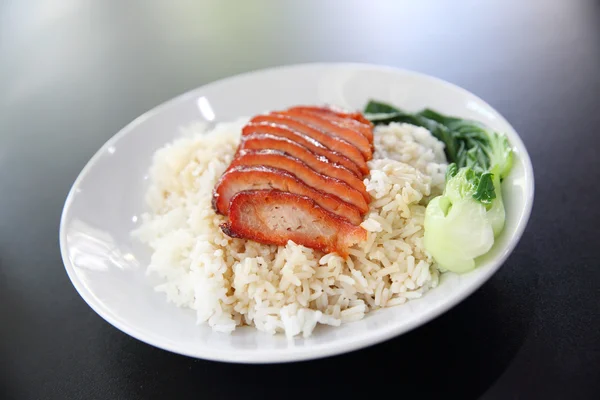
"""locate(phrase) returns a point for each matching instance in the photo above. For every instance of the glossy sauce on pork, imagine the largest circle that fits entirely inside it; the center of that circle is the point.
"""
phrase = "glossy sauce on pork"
(298, 175)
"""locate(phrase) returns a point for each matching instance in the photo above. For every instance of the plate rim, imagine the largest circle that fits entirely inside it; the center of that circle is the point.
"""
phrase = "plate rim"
(290, 353)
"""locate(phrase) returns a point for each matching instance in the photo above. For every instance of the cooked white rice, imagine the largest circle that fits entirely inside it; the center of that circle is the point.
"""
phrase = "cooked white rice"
(232, 282)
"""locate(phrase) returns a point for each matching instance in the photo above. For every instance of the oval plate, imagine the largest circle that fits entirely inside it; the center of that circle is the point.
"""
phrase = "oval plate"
(107, 267)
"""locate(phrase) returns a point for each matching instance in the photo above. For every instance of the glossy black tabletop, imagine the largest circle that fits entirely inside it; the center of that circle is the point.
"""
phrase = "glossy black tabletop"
(73, 72)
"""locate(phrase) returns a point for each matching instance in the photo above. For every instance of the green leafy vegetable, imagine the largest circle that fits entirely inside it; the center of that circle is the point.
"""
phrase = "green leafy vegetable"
(375, 107)
(461, 224)
(485, 191)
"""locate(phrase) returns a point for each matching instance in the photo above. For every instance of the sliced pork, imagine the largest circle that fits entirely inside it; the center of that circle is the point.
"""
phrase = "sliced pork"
(274, 217)
(242, 178)
(333, 128)
(302, 139)
(344, 119)
(331, 142)
(312, 178)
(298, 175)
(314, 161)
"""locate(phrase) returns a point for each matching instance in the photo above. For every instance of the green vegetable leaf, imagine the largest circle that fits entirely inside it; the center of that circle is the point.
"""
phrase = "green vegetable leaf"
(376, 107)
(485, 191)
(451, 171)
(500, 155)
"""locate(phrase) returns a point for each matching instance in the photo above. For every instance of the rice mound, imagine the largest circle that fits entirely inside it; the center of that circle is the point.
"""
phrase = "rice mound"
(232, 282)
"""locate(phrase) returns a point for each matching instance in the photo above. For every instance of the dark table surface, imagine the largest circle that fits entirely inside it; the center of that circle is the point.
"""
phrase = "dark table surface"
(72, 73)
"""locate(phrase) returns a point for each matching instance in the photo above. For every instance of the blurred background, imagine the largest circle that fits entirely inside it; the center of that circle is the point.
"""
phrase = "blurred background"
(73, 72)
(83, 68)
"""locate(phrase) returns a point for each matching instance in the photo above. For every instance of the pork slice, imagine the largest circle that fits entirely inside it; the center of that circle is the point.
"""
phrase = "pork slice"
(317, 162)
(349, 120)
(314, 179)
(275, 217)
(326, 124)
(242, 178)
(303, 140)
(333, 143)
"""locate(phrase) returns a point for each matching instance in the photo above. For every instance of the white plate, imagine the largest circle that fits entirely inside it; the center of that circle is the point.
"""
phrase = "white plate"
(107, 267)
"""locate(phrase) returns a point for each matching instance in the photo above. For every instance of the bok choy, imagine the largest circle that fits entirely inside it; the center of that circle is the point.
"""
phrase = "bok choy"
(461, 224)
